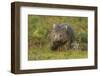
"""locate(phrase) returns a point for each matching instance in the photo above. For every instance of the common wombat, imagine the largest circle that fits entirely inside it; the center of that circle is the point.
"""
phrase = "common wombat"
(61, 35)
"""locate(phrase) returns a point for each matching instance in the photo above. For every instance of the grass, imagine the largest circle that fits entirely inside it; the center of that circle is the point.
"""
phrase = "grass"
(46, 54)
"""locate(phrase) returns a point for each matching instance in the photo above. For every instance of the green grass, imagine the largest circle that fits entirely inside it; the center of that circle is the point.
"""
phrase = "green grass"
(46, 54)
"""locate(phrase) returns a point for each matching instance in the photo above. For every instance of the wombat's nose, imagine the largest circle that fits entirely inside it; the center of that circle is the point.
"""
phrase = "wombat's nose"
(57, 41)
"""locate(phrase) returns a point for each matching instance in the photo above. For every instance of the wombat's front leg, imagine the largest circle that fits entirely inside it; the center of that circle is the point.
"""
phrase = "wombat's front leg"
(68, 45)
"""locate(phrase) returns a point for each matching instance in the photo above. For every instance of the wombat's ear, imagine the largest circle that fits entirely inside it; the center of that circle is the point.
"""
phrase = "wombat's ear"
(54, 25)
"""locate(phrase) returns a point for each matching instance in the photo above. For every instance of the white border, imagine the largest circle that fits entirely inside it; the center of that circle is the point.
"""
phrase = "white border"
(25, 64)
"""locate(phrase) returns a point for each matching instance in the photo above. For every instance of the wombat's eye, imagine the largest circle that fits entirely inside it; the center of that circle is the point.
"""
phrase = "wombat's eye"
(60, 35)
(54, 35)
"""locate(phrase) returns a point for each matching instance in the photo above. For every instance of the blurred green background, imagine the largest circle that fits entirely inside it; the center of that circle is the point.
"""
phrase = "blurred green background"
(39, 28)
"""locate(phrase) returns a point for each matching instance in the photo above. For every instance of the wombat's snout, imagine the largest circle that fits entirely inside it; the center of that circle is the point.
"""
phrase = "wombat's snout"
(55, 45)
(57, 42)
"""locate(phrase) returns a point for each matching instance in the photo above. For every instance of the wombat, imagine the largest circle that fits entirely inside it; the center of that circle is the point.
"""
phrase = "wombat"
(61, 35)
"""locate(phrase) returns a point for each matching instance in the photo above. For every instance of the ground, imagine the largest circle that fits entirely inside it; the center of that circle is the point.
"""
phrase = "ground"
(47, 54)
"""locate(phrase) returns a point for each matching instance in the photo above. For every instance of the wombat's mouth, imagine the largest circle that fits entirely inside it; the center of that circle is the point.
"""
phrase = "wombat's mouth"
(55, 45)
